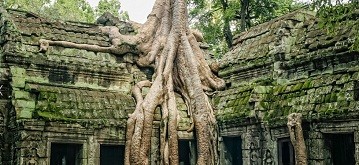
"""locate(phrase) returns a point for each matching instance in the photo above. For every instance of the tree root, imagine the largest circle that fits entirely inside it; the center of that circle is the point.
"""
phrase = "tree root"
(166, 43)
(296, 136)
(118, 50)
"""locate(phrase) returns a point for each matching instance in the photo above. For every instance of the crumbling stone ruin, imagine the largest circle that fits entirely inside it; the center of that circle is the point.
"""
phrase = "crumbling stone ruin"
(70, 104)
(290, 65)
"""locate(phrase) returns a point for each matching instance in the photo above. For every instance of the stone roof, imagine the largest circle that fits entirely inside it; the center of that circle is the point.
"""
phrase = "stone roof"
(65, 83)
(69, 84)
(263, 43)
(289, 65)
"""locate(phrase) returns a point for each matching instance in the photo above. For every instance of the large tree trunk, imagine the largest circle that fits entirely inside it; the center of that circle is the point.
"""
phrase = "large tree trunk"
(180, 66)
(296, 136)
(166, 44)
(244, 14)
(227, 27)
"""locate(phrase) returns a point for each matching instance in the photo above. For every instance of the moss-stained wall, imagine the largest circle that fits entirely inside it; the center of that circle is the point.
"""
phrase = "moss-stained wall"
(63, 95)
(283, 66)
(66, 95)
(289, 65)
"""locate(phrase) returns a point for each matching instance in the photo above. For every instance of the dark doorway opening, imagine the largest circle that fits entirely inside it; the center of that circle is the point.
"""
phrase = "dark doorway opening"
(285, 152)
(112, 154)
(65, 154)
(187, 152)
(341, 148)
(233, 150)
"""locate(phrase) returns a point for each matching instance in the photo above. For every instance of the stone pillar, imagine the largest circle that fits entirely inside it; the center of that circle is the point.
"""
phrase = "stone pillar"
(90, 149)
(155, 145)
(193, 150)
(317, 154)
(356, 142)
(222, 151)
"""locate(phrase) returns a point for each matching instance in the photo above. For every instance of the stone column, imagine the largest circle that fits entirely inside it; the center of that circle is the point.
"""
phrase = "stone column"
(356, 142)
(155, 145)
(317, 153)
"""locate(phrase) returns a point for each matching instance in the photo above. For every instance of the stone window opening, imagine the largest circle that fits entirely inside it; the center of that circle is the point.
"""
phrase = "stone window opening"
(112, 154)
(285, 152)
(233, 150)
(66, 154)
(187, 152)
(339, 149)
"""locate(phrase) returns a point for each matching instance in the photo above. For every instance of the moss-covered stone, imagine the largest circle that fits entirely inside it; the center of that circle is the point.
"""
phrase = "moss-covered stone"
(262, 89)
(21, 95)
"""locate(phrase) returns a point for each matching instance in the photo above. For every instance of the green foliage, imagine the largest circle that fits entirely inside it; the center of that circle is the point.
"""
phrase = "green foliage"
(74, 10)
(70, 10)
(336, 18)
(220, 19)
(36, 6)
(113, 7)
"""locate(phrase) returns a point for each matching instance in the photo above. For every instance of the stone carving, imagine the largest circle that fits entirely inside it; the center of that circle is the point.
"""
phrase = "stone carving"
(254, 156)
(269, 160)
(33, 156)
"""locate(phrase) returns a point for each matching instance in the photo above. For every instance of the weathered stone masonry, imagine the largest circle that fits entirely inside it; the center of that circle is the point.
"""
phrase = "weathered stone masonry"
(290, 65)
(64, 95)
(79, 99)
(67, 99)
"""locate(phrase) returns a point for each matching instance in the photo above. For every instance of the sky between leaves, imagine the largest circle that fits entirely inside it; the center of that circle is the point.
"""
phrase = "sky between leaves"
(137, 9)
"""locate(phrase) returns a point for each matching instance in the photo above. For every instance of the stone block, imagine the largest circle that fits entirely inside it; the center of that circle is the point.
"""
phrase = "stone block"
(17, 71)
(316, 149)
(263, 89)
(25, 114)
(21, 95)
(18, 82)
(25, 104)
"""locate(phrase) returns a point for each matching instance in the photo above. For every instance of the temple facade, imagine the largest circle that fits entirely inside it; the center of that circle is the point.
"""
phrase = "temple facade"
(70, 106)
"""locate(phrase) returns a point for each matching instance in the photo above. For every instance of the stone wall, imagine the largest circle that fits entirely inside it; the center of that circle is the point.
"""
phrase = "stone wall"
(63, 95)
(287, 65)
(73, 96)
(67, 96)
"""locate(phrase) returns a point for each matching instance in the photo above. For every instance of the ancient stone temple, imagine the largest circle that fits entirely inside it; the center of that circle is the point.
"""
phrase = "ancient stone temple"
(287, 65)
(70, 106)
(67, 105)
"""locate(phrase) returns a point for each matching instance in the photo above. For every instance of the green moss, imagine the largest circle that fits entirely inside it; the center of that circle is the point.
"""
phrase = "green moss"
(302, 93)
(333, 97)
(327, 98)
(277, 89)
(297, 87)
(25, 104)
(343, 79)
(286, 111)
(263, 105)
(245, 100)
(343, 104)
(48, 96)
(307, 84)
(25, 114)
(283, 89)
(216, 100)
(52, 116)
(263, 89)
(18, 82)
(231, 103)
(21, 95)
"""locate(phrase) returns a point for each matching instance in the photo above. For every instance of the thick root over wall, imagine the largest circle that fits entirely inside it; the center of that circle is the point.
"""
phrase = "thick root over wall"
(296, 136)
(166, 44)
